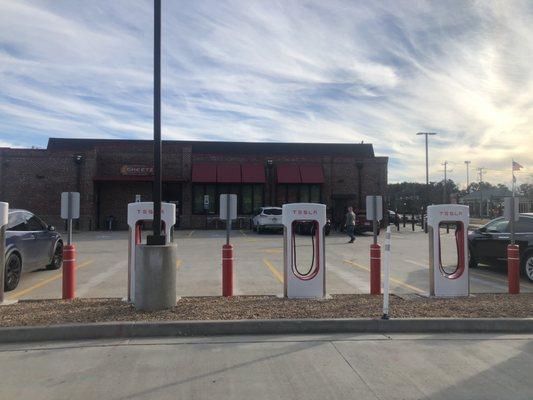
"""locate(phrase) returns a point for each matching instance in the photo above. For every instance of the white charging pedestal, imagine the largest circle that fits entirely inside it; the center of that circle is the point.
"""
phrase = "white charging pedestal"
(448, 281)
(304, 277)
(138, 213)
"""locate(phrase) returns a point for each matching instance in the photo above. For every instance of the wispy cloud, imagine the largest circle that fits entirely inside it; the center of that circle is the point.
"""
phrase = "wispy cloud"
(336, 71)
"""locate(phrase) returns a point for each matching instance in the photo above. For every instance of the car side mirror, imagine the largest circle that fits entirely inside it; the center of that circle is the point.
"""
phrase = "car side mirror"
(481, 230)
(51, 228)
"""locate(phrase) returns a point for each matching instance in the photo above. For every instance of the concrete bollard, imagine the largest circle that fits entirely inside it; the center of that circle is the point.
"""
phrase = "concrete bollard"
(155, 277)
(375, 269)
(513, 268)
(69, 272)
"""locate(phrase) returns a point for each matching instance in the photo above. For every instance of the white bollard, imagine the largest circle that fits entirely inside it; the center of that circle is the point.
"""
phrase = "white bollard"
(386, 271)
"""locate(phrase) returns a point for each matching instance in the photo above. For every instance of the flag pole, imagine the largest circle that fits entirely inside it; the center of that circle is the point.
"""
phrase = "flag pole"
(512, 203)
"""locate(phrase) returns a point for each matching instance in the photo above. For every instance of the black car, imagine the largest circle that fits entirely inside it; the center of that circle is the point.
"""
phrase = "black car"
(489, 243)
(30, 244)
(308, 228)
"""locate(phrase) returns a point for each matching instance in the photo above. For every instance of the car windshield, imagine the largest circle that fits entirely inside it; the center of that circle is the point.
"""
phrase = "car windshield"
(272, 211)
(498, 225)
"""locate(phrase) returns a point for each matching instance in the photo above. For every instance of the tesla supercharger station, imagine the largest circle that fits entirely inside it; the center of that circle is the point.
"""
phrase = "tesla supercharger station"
(448, 281)
(305, 274)
(138, 213)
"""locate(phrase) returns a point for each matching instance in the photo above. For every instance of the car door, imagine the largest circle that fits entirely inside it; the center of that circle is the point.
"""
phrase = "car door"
(523, 232)
(21, 239)
(491, 244)
(43, 242)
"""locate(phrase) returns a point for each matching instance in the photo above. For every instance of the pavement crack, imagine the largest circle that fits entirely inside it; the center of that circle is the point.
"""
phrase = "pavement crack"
(355, 371)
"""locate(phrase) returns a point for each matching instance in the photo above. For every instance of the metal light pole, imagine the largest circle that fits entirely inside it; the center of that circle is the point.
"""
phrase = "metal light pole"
(426, 134)
(467, 162)
(157, 238)
(445, 163)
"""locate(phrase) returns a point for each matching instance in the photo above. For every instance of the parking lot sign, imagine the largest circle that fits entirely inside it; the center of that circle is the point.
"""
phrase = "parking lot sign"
(226, 208)
(70, 205)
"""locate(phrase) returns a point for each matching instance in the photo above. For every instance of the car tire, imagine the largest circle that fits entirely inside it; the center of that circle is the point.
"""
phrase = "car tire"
(472, 262)
(527, 265)
(13, 271)
(57, 259)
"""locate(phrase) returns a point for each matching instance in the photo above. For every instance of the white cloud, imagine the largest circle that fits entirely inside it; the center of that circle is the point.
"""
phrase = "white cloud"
(336, 71)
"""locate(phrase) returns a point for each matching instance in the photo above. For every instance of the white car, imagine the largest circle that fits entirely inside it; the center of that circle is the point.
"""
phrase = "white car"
(268, 218)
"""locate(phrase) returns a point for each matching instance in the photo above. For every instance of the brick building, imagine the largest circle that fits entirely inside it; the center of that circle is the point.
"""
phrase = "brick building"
(110, 173)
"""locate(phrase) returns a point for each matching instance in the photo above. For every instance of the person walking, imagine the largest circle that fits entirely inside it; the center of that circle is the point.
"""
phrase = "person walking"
(350, 224)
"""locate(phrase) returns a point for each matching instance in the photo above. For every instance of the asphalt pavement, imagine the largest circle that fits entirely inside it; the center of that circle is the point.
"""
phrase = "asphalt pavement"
(396, 366)
(102, 265)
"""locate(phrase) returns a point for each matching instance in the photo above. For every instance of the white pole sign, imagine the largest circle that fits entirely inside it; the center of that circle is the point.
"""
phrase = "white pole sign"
(374, 208)
(70, 205)
(224, 206)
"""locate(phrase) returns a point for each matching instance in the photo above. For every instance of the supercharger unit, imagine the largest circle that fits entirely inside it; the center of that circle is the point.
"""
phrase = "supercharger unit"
(304, 266)
(448, 280)
(138, 213)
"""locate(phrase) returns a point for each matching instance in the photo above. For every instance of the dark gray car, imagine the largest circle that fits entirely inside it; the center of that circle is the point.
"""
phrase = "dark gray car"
(31, 244)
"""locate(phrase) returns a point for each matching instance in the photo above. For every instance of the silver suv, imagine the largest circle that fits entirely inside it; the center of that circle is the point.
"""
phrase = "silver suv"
(267, 218)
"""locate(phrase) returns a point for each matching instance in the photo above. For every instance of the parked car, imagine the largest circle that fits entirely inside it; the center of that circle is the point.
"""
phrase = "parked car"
(307, 227)
(31, 244)
(488, 244)
(267, 218)
(362, 224)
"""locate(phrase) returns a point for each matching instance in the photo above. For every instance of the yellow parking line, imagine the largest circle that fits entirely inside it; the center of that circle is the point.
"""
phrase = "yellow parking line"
(44, 282)
(178, 263)
(401, 283)
(273, 251)
(273, 269)
(190, 233)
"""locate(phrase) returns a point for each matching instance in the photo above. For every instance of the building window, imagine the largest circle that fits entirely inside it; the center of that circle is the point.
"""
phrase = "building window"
(202, 193)
(298, 193)
(250, 197)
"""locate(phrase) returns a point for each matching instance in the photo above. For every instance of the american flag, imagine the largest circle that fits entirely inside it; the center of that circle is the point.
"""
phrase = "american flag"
(516, 166)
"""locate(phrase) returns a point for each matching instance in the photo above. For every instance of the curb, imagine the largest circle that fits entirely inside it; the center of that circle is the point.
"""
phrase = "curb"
(110, 330)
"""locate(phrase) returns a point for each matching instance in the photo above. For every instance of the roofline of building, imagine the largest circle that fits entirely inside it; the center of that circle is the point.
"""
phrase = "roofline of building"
(355, 149)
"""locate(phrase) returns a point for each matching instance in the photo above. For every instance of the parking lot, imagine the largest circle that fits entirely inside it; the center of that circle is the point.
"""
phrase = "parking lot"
(102, 265)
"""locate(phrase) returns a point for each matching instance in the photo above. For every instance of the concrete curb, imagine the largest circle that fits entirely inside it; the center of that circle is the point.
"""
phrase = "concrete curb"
(110, 330)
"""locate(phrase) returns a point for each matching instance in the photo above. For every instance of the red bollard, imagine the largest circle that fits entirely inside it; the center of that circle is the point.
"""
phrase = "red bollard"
(69, 272)
(513, 268)
(375, 269)
(227, 270)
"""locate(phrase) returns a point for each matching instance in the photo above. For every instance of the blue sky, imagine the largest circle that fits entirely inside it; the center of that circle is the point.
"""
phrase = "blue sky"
(297, 71)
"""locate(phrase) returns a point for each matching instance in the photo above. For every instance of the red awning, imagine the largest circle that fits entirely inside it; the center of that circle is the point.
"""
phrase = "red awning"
(312, 173)
(228, 173)
(253, 173)
(288, 173)
(204, 172)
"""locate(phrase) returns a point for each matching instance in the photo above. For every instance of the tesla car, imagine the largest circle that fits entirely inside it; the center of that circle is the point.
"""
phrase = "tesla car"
(488, 244)
(31, 244)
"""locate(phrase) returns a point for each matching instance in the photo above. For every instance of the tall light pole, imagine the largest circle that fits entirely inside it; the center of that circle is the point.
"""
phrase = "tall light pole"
(426, 134)
(445, 163)
(157, 238)
(467, 162)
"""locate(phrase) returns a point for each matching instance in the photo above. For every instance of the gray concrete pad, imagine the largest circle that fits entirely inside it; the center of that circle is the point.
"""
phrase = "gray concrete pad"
(273, 367)
(102, 257)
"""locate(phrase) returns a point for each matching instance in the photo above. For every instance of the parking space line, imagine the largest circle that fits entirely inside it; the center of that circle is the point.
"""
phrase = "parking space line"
(44, 282)
(178, 263)
(272, 251)
(273, 269)
(397, 281)
(190, 233)
(417, 263)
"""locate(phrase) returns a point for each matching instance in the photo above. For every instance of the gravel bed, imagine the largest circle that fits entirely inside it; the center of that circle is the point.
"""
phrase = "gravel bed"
(50, 312)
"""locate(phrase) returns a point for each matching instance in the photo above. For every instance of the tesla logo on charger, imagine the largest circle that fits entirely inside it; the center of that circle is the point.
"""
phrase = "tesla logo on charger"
(305, 212)
(148, 212)
(451, 213)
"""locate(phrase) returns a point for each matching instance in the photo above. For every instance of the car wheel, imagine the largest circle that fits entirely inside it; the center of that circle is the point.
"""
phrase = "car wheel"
(12, 272)
(57, 259)
(527, 266)
(472, 262)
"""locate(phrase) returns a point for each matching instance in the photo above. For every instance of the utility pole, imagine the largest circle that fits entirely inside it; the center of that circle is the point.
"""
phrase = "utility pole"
(426, 134)
(480, 171)
(467, 162)
(445, 163)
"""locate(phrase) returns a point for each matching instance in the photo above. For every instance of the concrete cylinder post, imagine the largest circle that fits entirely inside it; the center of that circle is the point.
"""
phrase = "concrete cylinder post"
(69, 272)
(155, 277)
(375, 269)
(4, 211)
(227, 270)
(513, 268)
